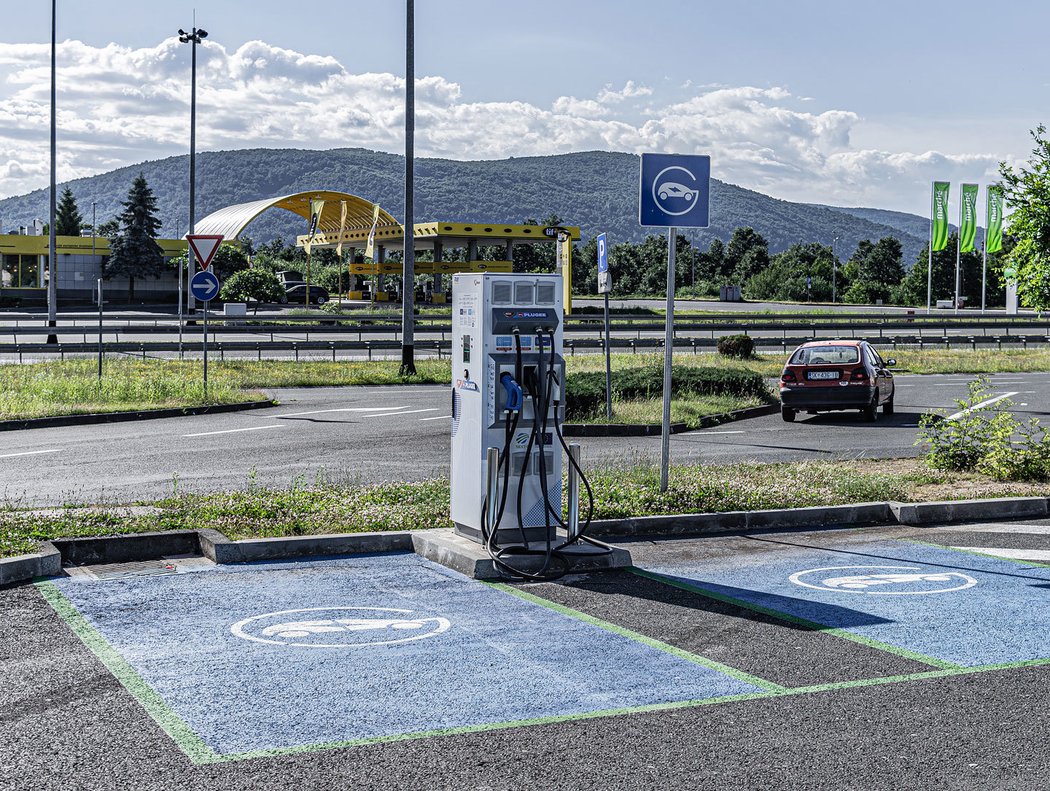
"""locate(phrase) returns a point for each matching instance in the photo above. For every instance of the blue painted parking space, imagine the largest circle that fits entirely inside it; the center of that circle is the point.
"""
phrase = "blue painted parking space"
(279, 657)
(948, 607)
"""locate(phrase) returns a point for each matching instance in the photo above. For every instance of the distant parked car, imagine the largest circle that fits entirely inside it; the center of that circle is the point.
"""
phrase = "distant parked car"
(824, 376)
(297, 293)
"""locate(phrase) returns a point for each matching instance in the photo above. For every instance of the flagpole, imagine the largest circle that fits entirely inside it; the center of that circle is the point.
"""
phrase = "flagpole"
(929, 249)
(987, 224)
(958, 248)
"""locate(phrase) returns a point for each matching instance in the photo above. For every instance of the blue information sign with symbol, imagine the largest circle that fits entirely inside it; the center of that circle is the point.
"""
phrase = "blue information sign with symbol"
(604, 281)
(204, 285)
(675, 191)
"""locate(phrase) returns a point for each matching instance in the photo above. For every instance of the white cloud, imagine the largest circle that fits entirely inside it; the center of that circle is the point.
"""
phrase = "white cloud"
(120, 105)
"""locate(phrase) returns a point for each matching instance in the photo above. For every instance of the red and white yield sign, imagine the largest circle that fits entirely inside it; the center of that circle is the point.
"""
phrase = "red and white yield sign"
(204, 246)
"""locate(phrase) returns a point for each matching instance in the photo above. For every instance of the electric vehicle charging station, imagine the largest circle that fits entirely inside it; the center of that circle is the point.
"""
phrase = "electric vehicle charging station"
(508, 403)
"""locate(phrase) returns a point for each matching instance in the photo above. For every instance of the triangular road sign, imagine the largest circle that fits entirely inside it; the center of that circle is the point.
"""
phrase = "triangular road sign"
(204, 246)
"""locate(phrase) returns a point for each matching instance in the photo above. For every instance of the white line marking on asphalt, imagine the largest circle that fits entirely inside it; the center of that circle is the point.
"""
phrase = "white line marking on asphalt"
(31, 453)
(406, 412)
(1035, 530)
(708, 433)
(439, 417)
(233, 430)
(986, 402)
(345, 409)
(1038, 555)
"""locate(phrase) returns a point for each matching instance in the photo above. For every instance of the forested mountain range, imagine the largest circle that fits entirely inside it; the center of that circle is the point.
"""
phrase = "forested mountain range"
(596, 190)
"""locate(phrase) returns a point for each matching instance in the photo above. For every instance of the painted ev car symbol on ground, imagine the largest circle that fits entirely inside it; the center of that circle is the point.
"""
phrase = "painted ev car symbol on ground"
(339, 627)
(883, 580)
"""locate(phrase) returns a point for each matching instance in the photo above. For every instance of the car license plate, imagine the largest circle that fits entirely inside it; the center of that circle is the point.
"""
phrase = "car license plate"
(822, 374)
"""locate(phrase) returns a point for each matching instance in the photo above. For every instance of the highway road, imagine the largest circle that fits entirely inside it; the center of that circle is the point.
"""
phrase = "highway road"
(373, 434)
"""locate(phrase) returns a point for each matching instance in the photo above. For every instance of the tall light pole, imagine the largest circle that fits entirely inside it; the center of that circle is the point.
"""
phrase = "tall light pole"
(52, 284)
(834, 269)
(194, 38)
(408, 291)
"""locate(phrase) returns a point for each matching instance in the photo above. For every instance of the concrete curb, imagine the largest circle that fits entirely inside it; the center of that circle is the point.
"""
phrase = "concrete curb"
(690, 524)
(45, 563)
(219, 549)
(651, 429)
(121, 417)
(48, 561)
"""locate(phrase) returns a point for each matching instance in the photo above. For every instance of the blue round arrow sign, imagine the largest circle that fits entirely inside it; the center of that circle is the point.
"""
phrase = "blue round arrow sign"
(204, 285)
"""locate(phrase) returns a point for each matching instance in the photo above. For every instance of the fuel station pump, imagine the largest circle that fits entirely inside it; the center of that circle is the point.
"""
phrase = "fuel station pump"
(508, 403)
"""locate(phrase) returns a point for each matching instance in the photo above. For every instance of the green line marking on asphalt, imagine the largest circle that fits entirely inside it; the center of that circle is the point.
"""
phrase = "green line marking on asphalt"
(493, 726)
(199, 753)
(976, 551)
(681, 653)
(173, 725)
(818, 627)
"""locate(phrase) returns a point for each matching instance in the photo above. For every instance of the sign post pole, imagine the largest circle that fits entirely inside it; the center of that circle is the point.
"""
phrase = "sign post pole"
(206, 349)
(674, 191)
(205, 285)
(604, 287)
(100, 334)
(665, 429)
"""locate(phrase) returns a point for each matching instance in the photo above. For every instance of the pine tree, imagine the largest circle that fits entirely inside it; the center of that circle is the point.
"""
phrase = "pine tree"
(133, 251)
(67, 215)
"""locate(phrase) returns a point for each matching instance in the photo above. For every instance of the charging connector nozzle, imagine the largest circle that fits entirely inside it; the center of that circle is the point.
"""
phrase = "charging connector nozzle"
(513, 389)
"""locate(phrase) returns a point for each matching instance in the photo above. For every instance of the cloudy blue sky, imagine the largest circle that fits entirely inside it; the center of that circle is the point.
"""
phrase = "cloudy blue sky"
(817, 100)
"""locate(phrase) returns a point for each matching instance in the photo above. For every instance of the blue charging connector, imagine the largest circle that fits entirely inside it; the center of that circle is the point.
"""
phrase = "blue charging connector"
(514, 398)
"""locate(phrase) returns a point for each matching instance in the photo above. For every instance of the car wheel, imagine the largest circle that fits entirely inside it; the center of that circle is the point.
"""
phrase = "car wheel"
(870, 413)
(283, 301)
(887, 408)
(787, 414)
(321, 300)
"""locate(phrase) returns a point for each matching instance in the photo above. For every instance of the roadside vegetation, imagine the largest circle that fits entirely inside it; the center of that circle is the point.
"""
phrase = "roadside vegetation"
(71, 387)
(987, 438)
(622, 490)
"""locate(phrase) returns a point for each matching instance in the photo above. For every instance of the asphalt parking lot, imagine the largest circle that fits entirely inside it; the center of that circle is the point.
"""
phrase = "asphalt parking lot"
(842, 658)
(373, 434)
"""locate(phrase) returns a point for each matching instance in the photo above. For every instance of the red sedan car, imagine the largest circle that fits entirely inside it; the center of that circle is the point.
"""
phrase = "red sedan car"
(825, 376)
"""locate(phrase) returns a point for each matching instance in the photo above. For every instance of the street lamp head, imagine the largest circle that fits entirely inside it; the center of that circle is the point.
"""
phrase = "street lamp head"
(201, 34)
(182, 32)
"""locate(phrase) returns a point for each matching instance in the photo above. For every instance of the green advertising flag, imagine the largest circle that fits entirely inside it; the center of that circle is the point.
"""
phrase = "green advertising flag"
(968, 218)
(939, 216)
(993, 240)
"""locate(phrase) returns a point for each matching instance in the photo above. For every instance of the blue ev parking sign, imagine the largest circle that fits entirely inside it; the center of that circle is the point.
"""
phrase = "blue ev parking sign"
(675, 191)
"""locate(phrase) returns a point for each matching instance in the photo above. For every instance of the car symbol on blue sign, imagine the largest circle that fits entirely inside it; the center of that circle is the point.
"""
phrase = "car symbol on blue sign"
(675, 190)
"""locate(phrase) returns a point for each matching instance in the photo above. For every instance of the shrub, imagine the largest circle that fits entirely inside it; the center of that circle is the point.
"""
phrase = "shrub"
(585, 392)
(260, 285)
(740, 346)
(331, 278)
(982, 439)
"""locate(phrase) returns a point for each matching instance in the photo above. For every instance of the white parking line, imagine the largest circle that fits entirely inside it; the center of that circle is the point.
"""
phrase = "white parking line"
(1037, 555)
(233, 430)
(344, 409)
(709, 433)
(1035, 530)
(986, 402)
(439, 417)
(406, 412)
(31, 453)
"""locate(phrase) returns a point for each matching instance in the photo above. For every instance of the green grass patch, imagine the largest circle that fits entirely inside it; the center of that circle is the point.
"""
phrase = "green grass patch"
(623, 490)
(686, 409)
(72, 388)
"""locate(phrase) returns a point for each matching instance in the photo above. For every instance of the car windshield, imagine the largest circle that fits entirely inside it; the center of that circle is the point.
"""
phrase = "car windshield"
(825, 355)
